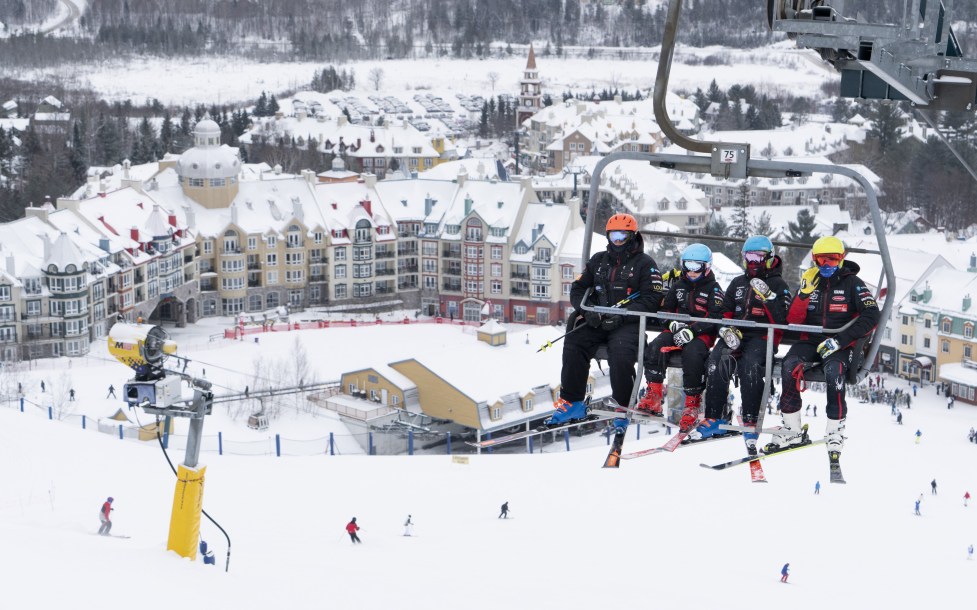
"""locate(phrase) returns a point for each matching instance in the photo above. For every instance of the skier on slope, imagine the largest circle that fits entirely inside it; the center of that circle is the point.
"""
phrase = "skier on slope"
(831, 295)
(104, 517)
(351, 529)
(408, 526)
(698, 294)
(760, 295)
(784, 572)
(505, 511)
(615, 274)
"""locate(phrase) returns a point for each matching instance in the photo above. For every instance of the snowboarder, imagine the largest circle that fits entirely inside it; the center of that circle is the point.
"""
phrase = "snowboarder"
(966, 498)
(104, 517)
(933, 486)
(505, 511)
(698, 294)
(623, 270)
(351, 529)
(111, 393)
(919, 434)
(817, 488)
(760, 295)
(784, 572)
(833, 277)
(408, 526)
(71, 394)
(918, 500)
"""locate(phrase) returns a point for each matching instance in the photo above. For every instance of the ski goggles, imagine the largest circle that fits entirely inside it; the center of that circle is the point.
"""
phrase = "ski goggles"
(755, 257)
(618, 236)
(828, 260)
(694, 266)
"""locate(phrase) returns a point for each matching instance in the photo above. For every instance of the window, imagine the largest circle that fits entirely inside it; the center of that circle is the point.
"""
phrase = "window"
(945, 346)
(518, 313)
(271, 241)
(294, 276)
(946, 325)
(362, 290)
(317, 237)
(255, 302)
(568, 272)
(928, 323)
(967, 352)
(271, 278)
(362, 253)
(968, 330)
(926, 342)
(252, 242)
(340, 291)
(271, 260)
(541, 291)
(496, 269)
(340, 271)
(905, 320)
(4, 293)
(294, 258)
(497, 252)
(272, 300)
(566, 289)
(527, 405)
(340, 254)
(208, 247)
(365, 270)
(496, 413)
(496, 287)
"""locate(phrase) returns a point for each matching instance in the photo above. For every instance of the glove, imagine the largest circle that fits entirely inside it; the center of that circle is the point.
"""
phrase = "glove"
(828, 347)
(677, 326)
(610, 322)
(761, 289)
(809, 281)
(731, 336)
(683, 336)
(592, 318)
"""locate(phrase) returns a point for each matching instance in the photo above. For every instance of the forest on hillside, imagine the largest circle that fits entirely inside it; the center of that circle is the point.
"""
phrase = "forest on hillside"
(336, 30)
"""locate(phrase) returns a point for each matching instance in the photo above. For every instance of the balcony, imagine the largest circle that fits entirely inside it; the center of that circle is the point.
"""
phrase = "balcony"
(407, 269)
(254, 266)
(452, 271)
(254, 283)
(407, 251)
(317, 278)
(231, 251)
(542, 259)
(451, 253)
(455, 287)
(519, 291)
(384, 271)
(384, 254)
(519, 275)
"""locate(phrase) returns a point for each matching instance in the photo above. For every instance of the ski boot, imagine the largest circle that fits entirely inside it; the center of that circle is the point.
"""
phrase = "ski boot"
(708, 428)
(566, 412)
(835, 440)
(690, 416)
(750, 438)
(793, 434)
(651, 403)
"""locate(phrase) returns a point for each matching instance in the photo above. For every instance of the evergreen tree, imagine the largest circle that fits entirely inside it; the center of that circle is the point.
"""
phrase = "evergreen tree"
(762, 226)
(802, 231)
(261, 107)
(886, 122)
(166, 134)
(741, 217)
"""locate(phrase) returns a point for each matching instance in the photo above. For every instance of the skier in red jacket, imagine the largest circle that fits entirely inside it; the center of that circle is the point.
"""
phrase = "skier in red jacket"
(351, 529)
(103, 516)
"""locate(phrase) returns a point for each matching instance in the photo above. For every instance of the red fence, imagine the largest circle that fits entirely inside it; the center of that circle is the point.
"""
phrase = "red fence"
(239, 332)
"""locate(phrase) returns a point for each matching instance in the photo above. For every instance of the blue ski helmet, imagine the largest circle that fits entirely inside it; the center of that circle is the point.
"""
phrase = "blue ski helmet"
(696, 257)
(758, 243)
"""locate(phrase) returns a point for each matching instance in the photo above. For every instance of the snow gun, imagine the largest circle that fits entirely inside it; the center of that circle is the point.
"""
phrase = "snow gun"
(617, 305)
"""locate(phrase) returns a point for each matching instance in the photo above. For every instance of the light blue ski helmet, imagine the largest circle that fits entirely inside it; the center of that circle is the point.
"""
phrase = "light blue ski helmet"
(758, 243)
(697, 252)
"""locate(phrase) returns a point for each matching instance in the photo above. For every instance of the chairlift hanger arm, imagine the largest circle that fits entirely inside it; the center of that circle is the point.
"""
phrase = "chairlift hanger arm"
(723, 238)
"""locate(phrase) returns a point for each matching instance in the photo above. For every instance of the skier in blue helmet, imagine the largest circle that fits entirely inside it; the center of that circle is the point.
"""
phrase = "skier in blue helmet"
(759, 295)
(695, 293)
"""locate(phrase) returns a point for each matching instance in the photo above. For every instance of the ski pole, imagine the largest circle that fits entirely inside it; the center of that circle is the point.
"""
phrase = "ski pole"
(619, 304)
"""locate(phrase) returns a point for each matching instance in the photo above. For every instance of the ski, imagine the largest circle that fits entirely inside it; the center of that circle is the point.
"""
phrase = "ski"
(670, 446)
(636, 416)
(492, 442)
(613, 459)
(756, 468)
(733, 428)
(111, 535)
(756, 472)
(835, 467)
(760, 456)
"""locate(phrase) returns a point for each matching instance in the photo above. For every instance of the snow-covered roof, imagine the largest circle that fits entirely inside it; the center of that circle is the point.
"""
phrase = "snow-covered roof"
(958, 372)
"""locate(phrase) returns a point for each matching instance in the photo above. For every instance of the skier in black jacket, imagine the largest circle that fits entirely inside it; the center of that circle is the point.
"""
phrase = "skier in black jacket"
(831, 295)
(696, 293)
(622, 271)
(761, 295)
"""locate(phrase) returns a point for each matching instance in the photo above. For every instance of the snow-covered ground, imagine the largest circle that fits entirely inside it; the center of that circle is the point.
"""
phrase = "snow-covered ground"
(658, 531)
(192, 81)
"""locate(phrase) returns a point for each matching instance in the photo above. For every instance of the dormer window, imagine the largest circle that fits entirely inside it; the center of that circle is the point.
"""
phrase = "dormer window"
(946, 325)
(968, 330)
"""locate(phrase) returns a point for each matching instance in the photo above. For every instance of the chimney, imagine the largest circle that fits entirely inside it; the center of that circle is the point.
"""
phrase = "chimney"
(428, 205)
(66, 203)
(234, 217)
(297, 210)
(103, 243)
(11, 267)
(468, 204)
(927, 293)
(462, 176)
(368, 206)
(134, 235)
(370, 180)
(966, 302)
(278, 170)
(33, 212)
(973, 262)
(47, 246)
(535, 235)
(171, 218)
(191, 217)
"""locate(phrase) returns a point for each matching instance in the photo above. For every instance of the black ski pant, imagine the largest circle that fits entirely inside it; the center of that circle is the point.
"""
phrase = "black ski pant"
(835, 375)
(354, 537)
(749, 362)
(694, 355)
(579, 348)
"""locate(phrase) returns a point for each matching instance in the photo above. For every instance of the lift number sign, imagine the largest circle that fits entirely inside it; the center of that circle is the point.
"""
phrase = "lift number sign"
(727, 155)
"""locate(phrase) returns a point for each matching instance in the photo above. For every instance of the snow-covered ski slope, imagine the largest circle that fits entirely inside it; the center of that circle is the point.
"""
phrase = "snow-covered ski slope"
(680, 534)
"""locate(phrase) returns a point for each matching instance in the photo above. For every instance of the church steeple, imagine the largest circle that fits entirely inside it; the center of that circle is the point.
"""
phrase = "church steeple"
(530, 94)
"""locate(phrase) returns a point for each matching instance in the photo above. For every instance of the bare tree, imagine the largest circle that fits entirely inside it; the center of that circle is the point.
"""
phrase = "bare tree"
(376, 78)
(493, 78)
(60, 394)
